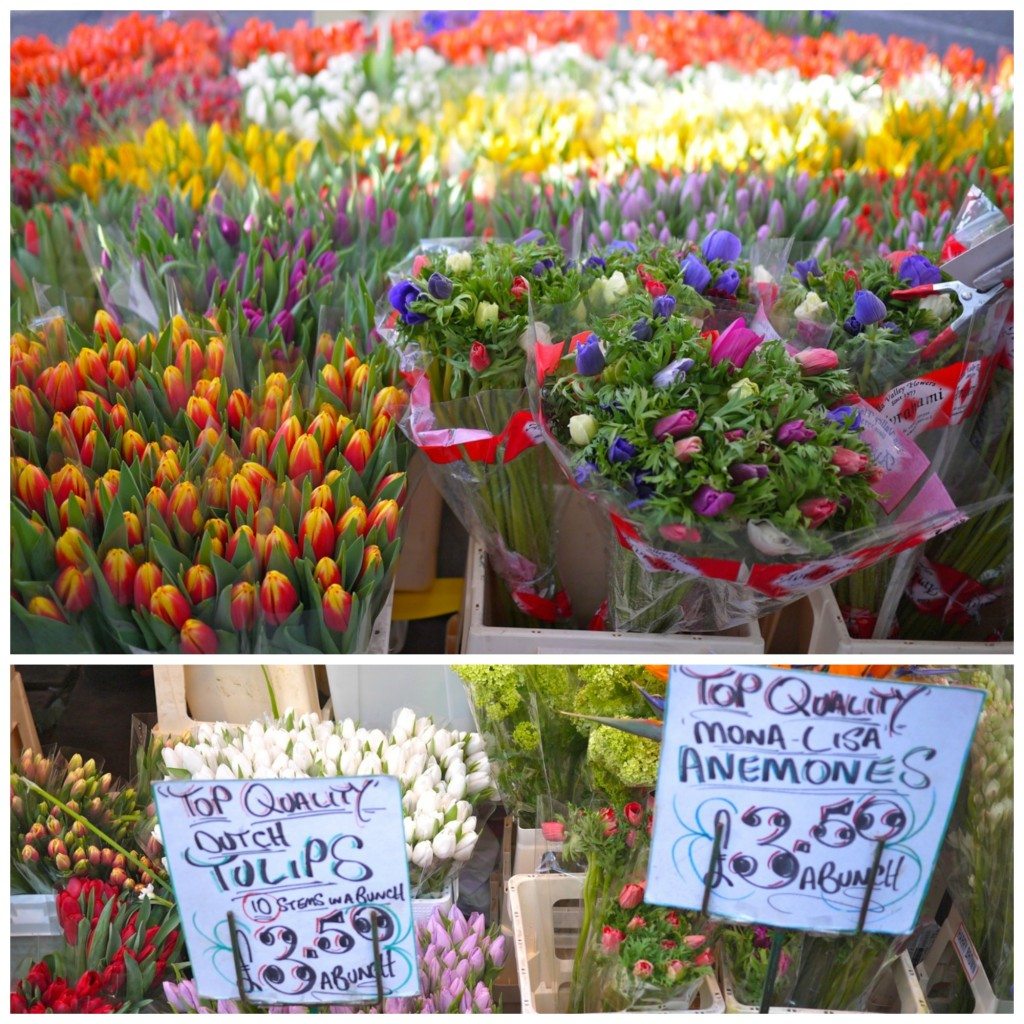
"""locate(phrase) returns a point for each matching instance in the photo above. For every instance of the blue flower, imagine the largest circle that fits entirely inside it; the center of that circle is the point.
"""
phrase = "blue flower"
(852, 326)
(620, 243)
(620, 450)
(845, 416)
(583, 472)
(589, 357)
(916, 270)
(868, 308)
(642, 329)
(721, 245)
(643, 489)
(439, 286)
(801, 268)
(400, 295)
(674, 373)
(595, 262)
(695, 274)
(541, 265)
(663, 306)
(727, 282)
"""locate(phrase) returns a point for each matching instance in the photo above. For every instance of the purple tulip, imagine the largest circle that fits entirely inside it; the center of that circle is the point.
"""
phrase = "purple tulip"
(917, 270)
(496, 953)
(536, 235)
(642, 329)
(674, 373)
(776, 218)
(469, 219)
(801, 269)
(229, 229)
(742, 200)
(709, 502)
(620, 243)
(476, 961)
(105, 261)
(589, 357)
(342, 231)
(794, 432)
(695, 273)
(735, 435)
(868, 308)
(286, 322)
(801, 183)
(482, 999)
(439, 286)
(741, 471)
(163, 210)
(305, 242)
(809, 210)
(250, 224)
(727, 282)
(762, 940)
(734, 344)
(676, 424)
(721, 245)
(298, 273)
(400, 296)
(212, 276)
(327, 261)
(388, 227)
(663, 306)
(620, 450)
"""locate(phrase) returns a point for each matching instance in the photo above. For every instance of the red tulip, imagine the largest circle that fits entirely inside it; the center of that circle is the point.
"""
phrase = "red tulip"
(607, 815)
(239, 408)
(108, 485)
(818, 510)
(384, 513)
(119, 570)
(74, 588)
(64, 512)
(83, 418)
(58, 385)
(354, 514)
(318, 529)
(390, 402)
(321, 497)
(148, 578)
(133, 446)
(104, 326)
(68, 480)
(390, 479)
(277, 539)
(89, 369)
(168, 470)
(157, 499)
(324, 427)
(358, 450)
(242, 531)
(243, 606)
(70, 549)
(215, 356)
(23, 408)
(175, 389)
(201, 412)
(242, 498)
(849, 462)
(304, 460)
(190, 359)
(327, 573)
(168, 603)
(200, 583)
(479, 359)
(337, 608)
(124, 352)
(45, 607)
(706, 959)
(197, 638)
(118, 375)
(183, 506)
(643, 968)
(372, 559)
(633, 813)
(277, 597)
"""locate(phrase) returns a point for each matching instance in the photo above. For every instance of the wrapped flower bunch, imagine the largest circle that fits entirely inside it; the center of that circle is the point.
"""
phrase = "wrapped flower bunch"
(444, 774)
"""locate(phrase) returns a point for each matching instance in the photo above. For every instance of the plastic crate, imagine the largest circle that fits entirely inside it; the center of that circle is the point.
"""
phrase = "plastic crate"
(423, 909)
(35, 931)
(480, 636)
(827, 634)
(951, 955)
(899, 992)
(372, 693)
(546, 915)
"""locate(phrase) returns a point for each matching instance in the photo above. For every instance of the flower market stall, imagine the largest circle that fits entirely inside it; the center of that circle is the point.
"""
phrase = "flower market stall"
(700, 323)
(258, 865)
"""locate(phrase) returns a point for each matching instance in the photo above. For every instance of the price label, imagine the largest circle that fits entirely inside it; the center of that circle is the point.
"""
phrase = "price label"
(307, 866)
(804, 777)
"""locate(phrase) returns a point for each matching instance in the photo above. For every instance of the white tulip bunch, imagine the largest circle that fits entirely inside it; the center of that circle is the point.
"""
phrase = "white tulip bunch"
(443, 773)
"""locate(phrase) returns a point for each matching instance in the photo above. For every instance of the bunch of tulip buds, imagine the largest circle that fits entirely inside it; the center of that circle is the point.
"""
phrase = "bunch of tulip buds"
(48, 846)
(261, 519)
(444, 773)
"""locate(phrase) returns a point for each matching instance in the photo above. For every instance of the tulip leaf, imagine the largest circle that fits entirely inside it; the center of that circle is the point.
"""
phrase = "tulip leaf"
(351, 562)
(43, 635)
(170, 559)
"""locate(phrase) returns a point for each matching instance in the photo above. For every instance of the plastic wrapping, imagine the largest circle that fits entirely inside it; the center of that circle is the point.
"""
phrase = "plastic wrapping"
(711, 573)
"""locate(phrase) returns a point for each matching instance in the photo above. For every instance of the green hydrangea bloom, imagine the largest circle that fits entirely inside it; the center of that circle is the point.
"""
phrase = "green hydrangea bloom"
(526, 736)
(631, 760)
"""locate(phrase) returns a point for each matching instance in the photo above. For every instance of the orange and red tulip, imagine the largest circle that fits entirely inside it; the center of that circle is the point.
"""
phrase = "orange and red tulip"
(304, 460)
(64, 512)
(337, 608)
(197, 638)
(133, 446)
(354, 517)
(148, 578)
(23, 408)
(277, 597)
(236, 537)
(118, 415)
(70, 549)
(183, 506)
(386, 513)
(108, 485)
(118, 375)
(324, 427)
(168, 469)
(74, 588)
(68, 480)
(175, 389)
(104, 326)
(239, 408)
(242, 498)
(202, 413)
(372, 559)
(57, 383)
(157, 499)
(45, 607)
(119, 570)
(321, 497)
(390, 479)
(83, 419)
(200, 583)
(90, 370)
(190, 359)
(124, 352)
(390, 402)
(256, 444)
(169, 603)
(327, 573)
(215, 356)
(277, 539)
(317, 528)
(243, 606)
(358, 450)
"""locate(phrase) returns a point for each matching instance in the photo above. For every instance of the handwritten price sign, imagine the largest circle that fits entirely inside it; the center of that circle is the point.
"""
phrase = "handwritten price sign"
(805, 777)
(305, 865)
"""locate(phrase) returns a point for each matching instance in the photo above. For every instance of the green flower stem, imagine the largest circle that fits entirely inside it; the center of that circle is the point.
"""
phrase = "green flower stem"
(113, 844)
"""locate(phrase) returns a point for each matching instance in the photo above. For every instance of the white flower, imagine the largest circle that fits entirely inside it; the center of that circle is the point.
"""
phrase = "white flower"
(486, 313)
(457, 787)
(444, 845)
(422, 855)
(941, 305)
(478, 782)
(582, 428)
(761, 275)
(465, 846)
(770, 540)
(427, 802)
(405, 721)
(409, 825)
(813, 308)
(616, 287)
(370, 765)
(458, 262)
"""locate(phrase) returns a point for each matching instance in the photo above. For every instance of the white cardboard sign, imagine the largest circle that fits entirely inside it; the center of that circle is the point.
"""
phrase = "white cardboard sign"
(303, 864)
(805, 773)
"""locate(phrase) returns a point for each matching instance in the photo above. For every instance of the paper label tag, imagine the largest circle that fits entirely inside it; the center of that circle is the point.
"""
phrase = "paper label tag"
(966, 952)
(901, 461)
(947, 594)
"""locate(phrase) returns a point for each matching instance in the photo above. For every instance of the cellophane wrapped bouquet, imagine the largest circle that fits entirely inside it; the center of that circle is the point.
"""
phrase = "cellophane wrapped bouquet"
(445, 774)
(737, 473)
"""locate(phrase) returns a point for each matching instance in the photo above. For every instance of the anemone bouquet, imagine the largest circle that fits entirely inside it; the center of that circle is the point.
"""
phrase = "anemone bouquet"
(718, 454)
